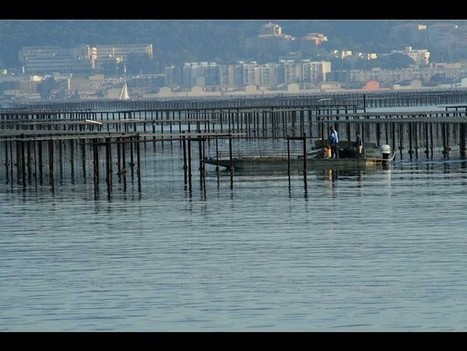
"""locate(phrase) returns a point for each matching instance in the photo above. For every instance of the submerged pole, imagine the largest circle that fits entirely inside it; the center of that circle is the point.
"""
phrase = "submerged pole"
(185, 167)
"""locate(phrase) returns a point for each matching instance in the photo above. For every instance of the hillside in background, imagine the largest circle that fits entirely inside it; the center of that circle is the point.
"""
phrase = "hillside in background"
(177, 41)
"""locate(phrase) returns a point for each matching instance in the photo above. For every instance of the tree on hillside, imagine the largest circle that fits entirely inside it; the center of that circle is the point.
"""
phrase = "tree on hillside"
(395, 61)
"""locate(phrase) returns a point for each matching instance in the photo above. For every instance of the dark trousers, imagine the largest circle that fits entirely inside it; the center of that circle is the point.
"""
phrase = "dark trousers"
(335, 150)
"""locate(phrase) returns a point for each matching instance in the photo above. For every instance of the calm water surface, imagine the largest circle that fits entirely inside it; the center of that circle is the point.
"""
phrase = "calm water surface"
(375, 250)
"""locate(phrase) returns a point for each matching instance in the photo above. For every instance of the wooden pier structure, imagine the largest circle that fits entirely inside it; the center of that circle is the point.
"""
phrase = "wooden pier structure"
(37, 143)
(360, 100)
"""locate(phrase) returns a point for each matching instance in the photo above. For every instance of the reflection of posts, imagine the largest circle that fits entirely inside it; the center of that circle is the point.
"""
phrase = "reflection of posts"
(332, 176)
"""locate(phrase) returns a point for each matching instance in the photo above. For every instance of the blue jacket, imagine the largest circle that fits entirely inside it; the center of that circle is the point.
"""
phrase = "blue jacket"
(333, 138)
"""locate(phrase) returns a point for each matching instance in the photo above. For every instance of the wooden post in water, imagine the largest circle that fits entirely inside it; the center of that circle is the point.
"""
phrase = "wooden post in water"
(190, 187)
(95, 159)
(447, 130)
(445, 143)
(288, 165)
(119, 159)
(401, 138)
(83, 157)
(29, 160)
(41, 165)
(304, 158)
(217, 159)
(162, 131)
(12, 163)
(108, 164)
(347, 127)
(138, 161)
(301, 120)
(23, 162)
(51, 163)
(221, 120)
(415, 135)
(35, 161)
(410, 141)
(231, 161)
(462, 140)
(7, 167)
(230, 151)
(310, 123)
(123, 164)
(124, 157)
(431, 140)
(288, 157)
(18, 161)
(200, 167)
(386, 134)
(132, 161)
(60, 158)
(290, 115)
(427, 140)
(171, 132)
(305, 182)
(378, 134)
(72, 158)
(185, 167)
(393, 136)
(229, 121)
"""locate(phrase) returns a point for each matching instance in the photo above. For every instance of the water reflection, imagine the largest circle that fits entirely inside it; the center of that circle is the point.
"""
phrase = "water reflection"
(354, 250)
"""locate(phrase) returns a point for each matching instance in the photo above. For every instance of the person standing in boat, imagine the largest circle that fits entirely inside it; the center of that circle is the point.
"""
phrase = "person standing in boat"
(334, 142)
(359, 145)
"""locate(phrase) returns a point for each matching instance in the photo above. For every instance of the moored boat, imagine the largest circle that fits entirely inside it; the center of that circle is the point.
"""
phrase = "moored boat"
(317, 158)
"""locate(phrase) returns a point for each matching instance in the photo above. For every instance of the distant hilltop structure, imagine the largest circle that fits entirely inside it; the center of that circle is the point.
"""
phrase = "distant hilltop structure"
(311, 45)
(270, 43)
(271, 30)
(314, 38)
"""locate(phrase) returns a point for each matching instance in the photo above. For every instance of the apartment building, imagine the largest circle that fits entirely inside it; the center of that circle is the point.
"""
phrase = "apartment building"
(48, 59)
(101, 55)
(85, 58)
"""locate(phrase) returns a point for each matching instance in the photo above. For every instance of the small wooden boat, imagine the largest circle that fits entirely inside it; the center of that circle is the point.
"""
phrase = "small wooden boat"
(317, 158)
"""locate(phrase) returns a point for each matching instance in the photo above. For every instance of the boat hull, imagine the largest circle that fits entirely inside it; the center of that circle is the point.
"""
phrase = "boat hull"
(297, 164)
